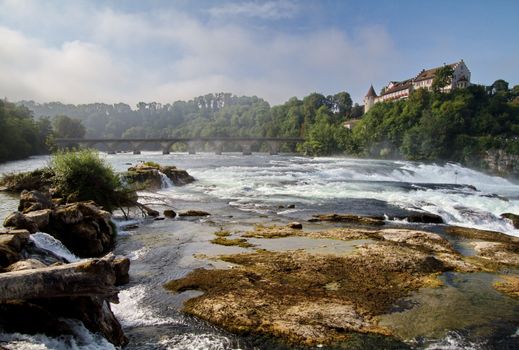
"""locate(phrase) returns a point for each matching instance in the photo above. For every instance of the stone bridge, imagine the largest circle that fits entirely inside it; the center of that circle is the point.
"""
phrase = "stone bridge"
(111, 146)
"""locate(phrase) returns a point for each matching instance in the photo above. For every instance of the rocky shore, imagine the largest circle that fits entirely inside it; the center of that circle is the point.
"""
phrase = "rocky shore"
(42, 291)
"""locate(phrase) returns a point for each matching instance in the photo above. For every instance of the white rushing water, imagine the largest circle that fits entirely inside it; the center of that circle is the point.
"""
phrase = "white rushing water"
(131, 310)
(254, 182)
(82, 339)
(165, 180)
(461, 196)
(45, 241)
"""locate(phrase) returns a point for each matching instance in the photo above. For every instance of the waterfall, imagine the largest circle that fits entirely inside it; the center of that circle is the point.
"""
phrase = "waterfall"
(165, 180)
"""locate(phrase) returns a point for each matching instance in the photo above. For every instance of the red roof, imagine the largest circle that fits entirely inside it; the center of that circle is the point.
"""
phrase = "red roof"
(399, 86)
(430, 73)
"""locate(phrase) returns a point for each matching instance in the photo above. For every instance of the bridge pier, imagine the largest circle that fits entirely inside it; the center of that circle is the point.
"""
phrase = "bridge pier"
(166, 147)
(246, 147)
(110, 147)
(191, 147)
(218, 147)
(136, 146)
(273, 147)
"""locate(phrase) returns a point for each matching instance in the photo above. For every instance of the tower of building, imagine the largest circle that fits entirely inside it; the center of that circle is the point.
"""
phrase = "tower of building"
(369, 99)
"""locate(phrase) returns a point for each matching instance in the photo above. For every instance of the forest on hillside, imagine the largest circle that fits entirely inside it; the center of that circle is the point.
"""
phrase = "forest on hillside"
(457, 126)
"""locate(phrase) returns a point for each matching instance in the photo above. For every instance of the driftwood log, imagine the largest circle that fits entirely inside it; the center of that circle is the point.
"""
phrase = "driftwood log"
(94, 278)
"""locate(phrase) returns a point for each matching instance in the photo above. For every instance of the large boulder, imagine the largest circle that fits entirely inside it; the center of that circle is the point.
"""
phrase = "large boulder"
(84, 228)
(179, 177)
(39, 217)
(34, 200)
(12, 242)
(18, 220)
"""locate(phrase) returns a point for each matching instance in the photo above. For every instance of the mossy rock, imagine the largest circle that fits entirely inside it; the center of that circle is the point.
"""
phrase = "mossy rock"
(40, 179)
(240, 242)
(288, 294)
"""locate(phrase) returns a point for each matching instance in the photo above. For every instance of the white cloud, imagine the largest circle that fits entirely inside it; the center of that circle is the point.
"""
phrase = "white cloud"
(272, 10)
(150, 56)
(75, 72)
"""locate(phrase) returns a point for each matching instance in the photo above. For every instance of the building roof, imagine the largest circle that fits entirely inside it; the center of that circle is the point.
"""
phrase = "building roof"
(371, 92)
(399, 86)
(430, 73)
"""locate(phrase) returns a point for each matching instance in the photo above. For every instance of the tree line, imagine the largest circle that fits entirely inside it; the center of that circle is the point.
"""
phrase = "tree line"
(430, 125)
(221, 114)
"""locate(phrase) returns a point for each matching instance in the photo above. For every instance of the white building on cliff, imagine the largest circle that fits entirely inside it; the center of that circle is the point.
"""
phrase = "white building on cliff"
(401, 89)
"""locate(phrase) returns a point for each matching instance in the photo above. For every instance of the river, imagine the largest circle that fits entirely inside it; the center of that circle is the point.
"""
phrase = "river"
(240, 191)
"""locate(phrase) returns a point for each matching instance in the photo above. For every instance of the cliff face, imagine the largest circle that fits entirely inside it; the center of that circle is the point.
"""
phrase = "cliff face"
(502, 163)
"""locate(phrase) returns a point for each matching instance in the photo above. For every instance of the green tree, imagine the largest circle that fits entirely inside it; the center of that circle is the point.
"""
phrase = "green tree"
(20, 135)
(342, 104)
(500, 86)
(442, 78)
(65, 127)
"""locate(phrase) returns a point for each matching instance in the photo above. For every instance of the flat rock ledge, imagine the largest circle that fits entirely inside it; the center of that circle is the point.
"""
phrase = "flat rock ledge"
(309, 298)
(414, 217)
(315, 299)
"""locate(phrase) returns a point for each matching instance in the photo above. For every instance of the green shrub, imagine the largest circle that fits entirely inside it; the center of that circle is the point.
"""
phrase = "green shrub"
(82, 175)
(152, 164)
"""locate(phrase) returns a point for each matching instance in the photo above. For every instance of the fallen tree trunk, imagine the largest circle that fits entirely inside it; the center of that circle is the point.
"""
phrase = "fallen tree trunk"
(95, 278)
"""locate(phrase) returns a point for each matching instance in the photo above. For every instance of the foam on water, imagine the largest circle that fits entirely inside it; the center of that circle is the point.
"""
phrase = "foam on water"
(45, 241)
(82, 339)
(132, 312)
(138, 254)
(121, 225)
(453, 341)
(446, 190)
(197, 341)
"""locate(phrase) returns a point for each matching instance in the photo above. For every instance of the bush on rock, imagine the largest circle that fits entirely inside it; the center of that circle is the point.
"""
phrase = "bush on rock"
(83, 176)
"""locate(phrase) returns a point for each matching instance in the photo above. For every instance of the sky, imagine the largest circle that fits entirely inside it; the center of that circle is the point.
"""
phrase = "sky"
(84, 51)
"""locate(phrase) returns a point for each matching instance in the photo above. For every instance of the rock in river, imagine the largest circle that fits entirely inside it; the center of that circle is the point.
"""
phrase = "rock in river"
(150, 175)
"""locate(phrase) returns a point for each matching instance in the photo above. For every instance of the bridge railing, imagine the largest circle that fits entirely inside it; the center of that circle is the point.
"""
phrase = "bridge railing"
(111, 145)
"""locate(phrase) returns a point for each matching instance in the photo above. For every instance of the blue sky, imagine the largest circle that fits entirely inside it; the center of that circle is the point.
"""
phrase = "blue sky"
(131, 51)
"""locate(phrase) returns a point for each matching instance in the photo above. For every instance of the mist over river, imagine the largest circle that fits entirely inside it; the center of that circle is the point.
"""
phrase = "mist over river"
(240, 191)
